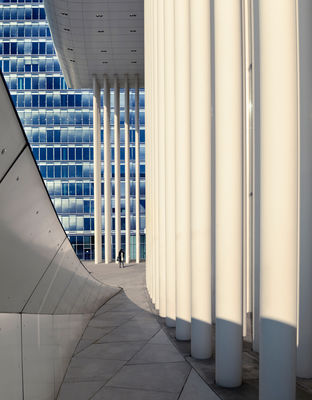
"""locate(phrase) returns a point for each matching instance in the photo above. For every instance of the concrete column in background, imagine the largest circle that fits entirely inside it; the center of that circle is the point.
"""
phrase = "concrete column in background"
(97, 171)
(117, 165)
(201, 329)
(127, 169)
(183, 169)
(107, 173)
(279, 199)
(304, 326)
(170, 164)
(137, 170)
(229, 167)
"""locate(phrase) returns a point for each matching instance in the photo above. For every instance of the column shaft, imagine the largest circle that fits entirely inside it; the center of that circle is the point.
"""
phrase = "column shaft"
(170, 164)
(137, 170)
(201, 179)
(183, 169)
(229, 166)
(117, 165)
(97, 172)
(279, 199)
(127, 169)
(107, 173)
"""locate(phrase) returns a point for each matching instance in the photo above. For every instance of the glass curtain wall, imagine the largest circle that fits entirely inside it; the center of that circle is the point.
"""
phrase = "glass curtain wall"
(58, 123)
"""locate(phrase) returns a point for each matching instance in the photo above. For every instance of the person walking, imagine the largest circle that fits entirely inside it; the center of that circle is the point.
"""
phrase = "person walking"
(121, 258)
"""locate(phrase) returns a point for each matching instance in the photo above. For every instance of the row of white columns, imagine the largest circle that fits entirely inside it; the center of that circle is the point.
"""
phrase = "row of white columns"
(107, 169)
(260, 108)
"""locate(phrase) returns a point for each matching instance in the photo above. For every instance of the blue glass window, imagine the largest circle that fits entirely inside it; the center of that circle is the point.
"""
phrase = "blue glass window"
(64, 153)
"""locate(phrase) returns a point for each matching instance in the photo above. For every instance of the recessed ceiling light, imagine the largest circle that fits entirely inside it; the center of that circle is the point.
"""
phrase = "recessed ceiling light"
(133, 51)
(72, 60)
(133, 62)
(132, 30)
(66, 29)
(68, 48)
(104, 62)
(64, 13)
(99, 15)
(100, 31)
(103, 51)
(132, 15)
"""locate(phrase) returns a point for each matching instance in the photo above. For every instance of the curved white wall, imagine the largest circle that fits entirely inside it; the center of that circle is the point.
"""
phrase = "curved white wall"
(46, 295)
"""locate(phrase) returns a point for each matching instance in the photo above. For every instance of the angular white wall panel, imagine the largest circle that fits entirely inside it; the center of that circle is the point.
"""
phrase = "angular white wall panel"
(10, 360)
(30, 233)
(54, 282)
(12, 139)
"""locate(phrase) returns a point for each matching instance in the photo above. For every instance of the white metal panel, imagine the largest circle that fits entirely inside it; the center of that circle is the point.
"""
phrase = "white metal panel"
(30, 233)
(11, 357)
(38, 356)
(12, 139)
(54, 282)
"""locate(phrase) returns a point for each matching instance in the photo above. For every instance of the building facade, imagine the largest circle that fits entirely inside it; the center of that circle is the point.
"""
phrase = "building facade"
(58, 123)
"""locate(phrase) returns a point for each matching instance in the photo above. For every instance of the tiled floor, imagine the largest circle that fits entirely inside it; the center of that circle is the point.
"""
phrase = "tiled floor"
(125, 354)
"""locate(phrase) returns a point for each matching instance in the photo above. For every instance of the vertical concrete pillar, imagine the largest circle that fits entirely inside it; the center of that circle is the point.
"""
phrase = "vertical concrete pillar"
(183, 169)
(201, 345)
(304, 338)
(107, 173)
(229, 166)
(279, 199)
(161, 159)
(97, 171)
(170, 164)
(127, 169)
(137, 170)
(117, 165)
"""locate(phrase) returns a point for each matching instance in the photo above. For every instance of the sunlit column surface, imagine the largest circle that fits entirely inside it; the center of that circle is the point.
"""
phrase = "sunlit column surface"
(127, 170)
(170, 164)
(304, 350)
(161, 160)
(97, 172)
(137, 170)
(117, 165)
(279, 199)
(201, 179)
(228, 97)
(107, 173)
(183, 169)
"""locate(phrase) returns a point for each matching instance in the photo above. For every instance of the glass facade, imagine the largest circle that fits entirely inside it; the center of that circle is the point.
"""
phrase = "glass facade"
(58, 123)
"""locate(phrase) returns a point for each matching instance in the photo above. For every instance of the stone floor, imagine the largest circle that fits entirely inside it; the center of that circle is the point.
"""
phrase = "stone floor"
(127, 353)
(124, 352)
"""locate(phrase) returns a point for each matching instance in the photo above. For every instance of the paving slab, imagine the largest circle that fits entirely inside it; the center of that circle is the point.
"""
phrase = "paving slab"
(165, 377)
(157, 353)
(78, 390)
(92, 333)
(123, 351)
(107, 393)
(132, 331)
(196, 388)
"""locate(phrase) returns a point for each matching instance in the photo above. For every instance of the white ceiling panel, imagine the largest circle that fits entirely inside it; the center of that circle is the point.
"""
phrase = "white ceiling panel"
(98, 37)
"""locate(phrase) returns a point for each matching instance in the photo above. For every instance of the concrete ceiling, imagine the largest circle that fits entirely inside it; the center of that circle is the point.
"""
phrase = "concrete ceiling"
(98, 37)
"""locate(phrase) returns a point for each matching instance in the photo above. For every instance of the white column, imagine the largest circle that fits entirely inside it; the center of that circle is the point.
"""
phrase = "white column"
(229, 167)
(117, 165)
(170, 164)
(201, 345)
(107, 173)
(161, 161)
(279, 199)
(183, 169)
(127, 169)
(97, 171)
(304, 338)
(137, 169)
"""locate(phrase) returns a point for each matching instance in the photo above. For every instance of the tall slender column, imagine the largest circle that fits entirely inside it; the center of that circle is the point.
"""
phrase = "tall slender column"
(279, 199)
(117, 165)
(170, 164)
(201, 179)
(127, 169)
(304, 338)
(229, 229)
(161, 161)
(97, 171)
(107, 172)
(137, 169)
(183, 169)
